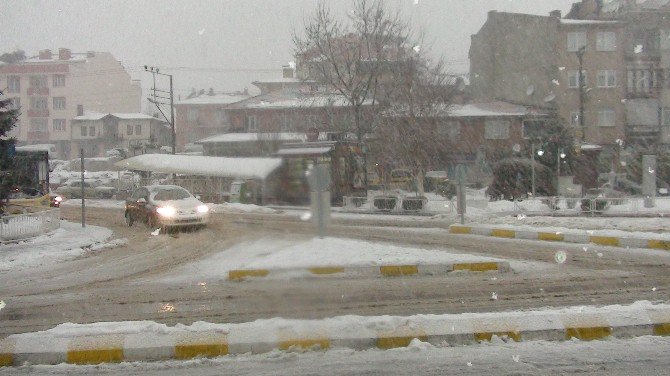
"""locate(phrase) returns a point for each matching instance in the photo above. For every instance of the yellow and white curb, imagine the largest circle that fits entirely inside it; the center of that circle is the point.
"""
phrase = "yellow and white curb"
(568, 237)
(160, 342)
(398, 270)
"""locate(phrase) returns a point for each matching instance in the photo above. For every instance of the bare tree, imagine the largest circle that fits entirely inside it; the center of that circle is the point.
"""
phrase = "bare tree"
(357, 57)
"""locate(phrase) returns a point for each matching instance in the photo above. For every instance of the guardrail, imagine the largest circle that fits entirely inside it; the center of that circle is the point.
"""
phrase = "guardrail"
(25, 226)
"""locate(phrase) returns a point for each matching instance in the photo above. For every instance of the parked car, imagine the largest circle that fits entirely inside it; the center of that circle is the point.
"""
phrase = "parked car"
(72, 189)
(164, 206)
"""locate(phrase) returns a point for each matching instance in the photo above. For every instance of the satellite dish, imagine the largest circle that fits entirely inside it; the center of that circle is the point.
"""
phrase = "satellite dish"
(550, 97)
(530, 90)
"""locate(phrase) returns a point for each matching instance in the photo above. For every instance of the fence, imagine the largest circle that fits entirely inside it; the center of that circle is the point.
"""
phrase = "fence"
(24, 226)
(556, 206)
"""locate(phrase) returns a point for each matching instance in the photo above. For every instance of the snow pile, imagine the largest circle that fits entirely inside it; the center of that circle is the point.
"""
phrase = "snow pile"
(240, 208)
(66, 243)
(287, 253)
(96, 203)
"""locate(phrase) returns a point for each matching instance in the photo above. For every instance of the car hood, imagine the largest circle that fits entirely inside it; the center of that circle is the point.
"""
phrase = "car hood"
(187, 203)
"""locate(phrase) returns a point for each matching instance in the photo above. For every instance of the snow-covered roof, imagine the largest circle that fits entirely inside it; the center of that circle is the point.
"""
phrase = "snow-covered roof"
(305, 151)
(567, 21)
(55, 59)
(485, 109)
(241, 168)
(250, 137)
(92, 115)
(37, 147)
(221, 98)
(291, 98)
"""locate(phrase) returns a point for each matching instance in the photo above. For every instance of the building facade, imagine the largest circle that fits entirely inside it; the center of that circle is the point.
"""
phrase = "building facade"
(603, 68)
(138, 133)
(50, 88)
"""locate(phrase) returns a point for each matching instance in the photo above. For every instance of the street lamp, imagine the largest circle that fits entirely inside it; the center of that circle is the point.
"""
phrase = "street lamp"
(155, 71)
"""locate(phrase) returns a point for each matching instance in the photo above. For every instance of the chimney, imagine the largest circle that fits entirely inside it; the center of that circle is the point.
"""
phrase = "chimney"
(64, 54)
(80, 110)
(555, 13)
(288, 71)
(45, 55)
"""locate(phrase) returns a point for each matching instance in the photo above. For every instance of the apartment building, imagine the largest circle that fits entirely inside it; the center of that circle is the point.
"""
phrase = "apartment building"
(51, 87)
(603, 68)
(203, 116)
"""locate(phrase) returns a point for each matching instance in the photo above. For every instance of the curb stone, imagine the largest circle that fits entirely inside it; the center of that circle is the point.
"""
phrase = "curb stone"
(568, 237)
(358, 333)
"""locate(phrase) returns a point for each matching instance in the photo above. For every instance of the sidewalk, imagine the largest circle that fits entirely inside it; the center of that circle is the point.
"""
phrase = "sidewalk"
(150, 341)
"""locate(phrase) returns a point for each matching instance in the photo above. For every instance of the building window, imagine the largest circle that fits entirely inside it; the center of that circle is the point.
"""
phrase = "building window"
(59, 103)
(138, 129)
(38, 81)
(59, 80)
(13, 84)
(606, 118)
(59, 125)
(642, 80)
(450, 130)
(496, 130)
(666, 117)
(285, 121)
(222, 117)
(91, 131)
(606, 41)
(192, 114)
(532, 128)
(84, 131)
(39, 103)
(575, 119)
(576, 40)
(39, 125)
(607, 78)
(16, 103)
(129, 129)
(252, 123)
(573, 79)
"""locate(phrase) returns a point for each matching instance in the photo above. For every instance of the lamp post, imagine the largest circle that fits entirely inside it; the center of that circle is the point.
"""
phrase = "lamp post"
(155, 71)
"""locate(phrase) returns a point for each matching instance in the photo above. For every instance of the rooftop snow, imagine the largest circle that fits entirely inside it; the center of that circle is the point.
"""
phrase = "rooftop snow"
(305, 151)
(291, 98)
(215, 99)
(250, 137)
(586, 22)
(92, 115)
(243, 168)
(487, 109)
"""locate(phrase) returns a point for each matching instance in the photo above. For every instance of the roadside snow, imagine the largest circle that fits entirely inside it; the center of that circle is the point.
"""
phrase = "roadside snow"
(68, 242)
(240, 208)
(95, 203)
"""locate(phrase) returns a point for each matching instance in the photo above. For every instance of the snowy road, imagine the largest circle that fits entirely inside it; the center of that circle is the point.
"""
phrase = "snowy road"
(642, 356)
(128, 282)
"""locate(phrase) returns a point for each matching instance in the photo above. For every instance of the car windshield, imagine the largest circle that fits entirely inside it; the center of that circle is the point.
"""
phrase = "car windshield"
(345, 187)
(170, 194)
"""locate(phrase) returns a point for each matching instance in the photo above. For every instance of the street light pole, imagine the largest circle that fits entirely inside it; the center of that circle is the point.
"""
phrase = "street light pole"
(582, 91)
(155, 71)
(532, 166)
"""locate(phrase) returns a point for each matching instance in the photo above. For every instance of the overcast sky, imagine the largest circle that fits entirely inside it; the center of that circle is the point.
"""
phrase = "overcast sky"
(224, 44)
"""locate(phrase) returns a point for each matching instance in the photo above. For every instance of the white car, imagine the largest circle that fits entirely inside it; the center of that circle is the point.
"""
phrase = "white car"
(163, 206)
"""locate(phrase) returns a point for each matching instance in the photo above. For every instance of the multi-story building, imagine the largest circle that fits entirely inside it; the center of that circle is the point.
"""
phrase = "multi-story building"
(97, 132)
(204, 116)
(603, 69)
(49, 89)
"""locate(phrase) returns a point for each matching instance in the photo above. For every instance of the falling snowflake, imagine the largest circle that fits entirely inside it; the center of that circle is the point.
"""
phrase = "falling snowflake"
(2, 304)
(306, 216)
(639, 49)
(654, 289)
(600, 254)
(156, 232)
(651, 171)
(561, 68)
(494, 296)
(521, 216)
(586, 249)
(469, 364)
(417, 49)
(201, 32)
(560, 257)
(555, 82)
(516, 358)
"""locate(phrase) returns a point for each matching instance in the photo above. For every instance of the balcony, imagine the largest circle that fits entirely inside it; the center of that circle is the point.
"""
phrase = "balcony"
(38, 113)
(38, 91)
(38, 136)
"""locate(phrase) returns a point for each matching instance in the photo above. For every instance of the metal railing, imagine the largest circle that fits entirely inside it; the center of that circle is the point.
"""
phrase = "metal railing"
(557, 206)
(25, 226)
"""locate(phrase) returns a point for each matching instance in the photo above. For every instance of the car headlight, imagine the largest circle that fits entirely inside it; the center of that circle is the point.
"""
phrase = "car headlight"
(203, 209)
(58, 198)
(166, 211)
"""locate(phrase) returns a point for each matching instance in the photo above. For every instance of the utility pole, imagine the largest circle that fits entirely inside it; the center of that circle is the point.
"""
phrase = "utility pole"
(157, 101)
(582, 90)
